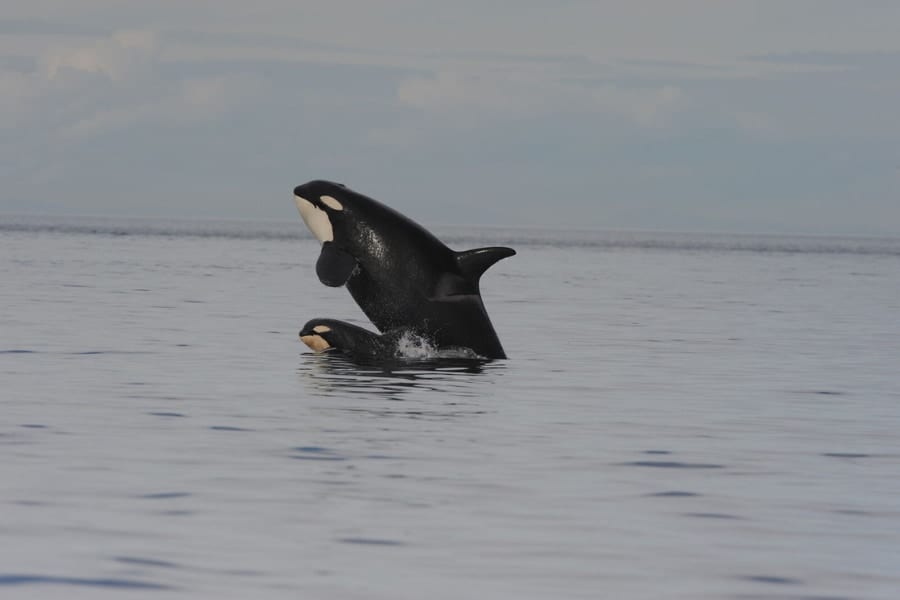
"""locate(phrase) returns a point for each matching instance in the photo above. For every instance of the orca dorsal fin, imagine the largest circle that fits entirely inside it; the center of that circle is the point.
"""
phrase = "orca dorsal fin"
(473, 263)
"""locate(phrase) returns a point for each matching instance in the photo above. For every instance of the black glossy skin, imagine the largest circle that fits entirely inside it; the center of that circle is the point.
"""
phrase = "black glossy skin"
(404, 276)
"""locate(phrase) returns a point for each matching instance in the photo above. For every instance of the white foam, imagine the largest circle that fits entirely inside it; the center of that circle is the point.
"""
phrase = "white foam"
(412, 346)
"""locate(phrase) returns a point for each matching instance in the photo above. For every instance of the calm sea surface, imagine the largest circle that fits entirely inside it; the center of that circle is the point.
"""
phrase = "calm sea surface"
(681, 416)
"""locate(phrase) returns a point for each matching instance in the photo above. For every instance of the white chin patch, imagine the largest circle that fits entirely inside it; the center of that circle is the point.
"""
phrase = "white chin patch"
(315, 218)
(315, 342)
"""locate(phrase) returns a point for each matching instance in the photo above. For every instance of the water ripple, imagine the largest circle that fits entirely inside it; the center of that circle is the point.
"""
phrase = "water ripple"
(164, 495)
(371, 541)
(774, 579)
(147, 562)
(333, 374)
(27, 579)
(670, 464)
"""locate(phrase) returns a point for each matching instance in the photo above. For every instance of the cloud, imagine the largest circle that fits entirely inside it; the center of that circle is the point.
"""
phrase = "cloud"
(69, 79)
(16, 89)
(644, 106)
(193, 101)
(448, 91)
(758, 124)
(94, 86)
(117, 57)
(519, 95)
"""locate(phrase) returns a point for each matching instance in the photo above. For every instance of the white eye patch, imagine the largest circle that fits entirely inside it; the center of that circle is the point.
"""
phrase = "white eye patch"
(331, 202)
(315, 218)
(321, 328)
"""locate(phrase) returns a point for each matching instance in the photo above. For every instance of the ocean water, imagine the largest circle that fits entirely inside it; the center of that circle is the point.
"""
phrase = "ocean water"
(681, 417)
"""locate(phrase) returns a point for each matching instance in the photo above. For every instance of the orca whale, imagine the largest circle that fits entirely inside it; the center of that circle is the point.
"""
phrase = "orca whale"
(326, 335)
(400, 275)
(359, 344)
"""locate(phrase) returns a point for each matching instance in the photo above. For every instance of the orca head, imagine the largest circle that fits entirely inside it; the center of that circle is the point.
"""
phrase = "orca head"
(327, 210)
(320, 207)
(316, 335)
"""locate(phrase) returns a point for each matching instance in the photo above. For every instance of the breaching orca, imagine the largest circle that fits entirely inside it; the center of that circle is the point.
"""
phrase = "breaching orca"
(401, 276)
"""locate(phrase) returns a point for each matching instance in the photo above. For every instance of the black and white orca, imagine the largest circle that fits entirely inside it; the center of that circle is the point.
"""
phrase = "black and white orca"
(331, 335)
(402, 276)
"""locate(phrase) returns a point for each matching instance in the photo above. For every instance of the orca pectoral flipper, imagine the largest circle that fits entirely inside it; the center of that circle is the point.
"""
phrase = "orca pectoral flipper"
(473, 263)
(334, 266)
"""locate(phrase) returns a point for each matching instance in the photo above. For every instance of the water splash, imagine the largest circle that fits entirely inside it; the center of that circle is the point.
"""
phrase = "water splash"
(412, 346)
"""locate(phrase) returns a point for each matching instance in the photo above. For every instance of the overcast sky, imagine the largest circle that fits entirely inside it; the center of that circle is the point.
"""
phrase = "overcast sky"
(755, 116)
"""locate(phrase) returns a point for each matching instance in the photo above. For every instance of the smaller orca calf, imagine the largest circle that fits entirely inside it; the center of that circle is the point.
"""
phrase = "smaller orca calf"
(331, 335)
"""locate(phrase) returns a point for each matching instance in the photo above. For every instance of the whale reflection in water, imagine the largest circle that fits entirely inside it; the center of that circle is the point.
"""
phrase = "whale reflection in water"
(336, 376)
